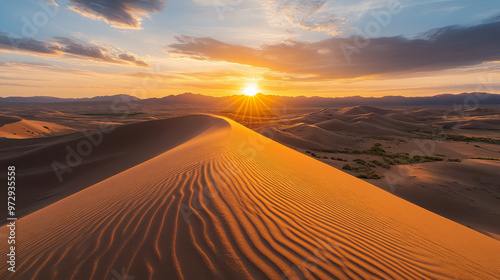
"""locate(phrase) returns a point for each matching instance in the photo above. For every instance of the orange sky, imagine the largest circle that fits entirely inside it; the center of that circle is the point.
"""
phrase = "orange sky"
(300, 48)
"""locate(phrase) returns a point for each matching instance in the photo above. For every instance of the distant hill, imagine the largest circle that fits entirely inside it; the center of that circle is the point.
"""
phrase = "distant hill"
(190, 99)
(49, 99)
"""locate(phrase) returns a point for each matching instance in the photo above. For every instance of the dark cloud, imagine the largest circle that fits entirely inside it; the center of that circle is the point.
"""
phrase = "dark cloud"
(65, 46)
(27, 44)
(352, 57)
(133, 59)
(119, 13)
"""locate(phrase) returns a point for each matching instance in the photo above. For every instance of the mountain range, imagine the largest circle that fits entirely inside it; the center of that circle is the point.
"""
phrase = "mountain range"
(466, 99)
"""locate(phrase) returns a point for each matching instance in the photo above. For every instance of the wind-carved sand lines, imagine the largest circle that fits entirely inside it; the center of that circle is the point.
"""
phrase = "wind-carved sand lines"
(310, 264)
(280, 215)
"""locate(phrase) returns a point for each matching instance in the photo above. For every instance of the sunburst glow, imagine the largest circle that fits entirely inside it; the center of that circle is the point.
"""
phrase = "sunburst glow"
(251, 90)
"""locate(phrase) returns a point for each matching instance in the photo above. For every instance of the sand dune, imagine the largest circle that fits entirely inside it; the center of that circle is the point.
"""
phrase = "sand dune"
(229, 204)
(6, 119)
(383, 121)
(357, 110)
(111, 153)
(363, 120)
(466, 192)
(412, 131)
(290, 139)
(17, 128)
(333, 125)
(319, 135)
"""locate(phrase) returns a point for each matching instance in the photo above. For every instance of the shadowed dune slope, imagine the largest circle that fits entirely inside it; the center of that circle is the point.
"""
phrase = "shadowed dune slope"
(230, 204)
(17, 128)
(89, 157)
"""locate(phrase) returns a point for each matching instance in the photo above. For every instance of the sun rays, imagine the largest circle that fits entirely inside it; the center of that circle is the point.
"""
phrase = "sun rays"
(251, 89)
(252, 108)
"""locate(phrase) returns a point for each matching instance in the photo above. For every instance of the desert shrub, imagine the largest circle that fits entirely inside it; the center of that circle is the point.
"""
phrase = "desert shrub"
(463, 138)
(359, 161)
(389, 161)
(455, 159)
(376, 149)
(381, 164)
(486, 158)
(347, 167)
(385, 138)
(369, 176)
(339, 159)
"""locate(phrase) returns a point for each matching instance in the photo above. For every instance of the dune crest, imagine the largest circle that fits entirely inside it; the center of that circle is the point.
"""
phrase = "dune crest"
(17, 128)
(231, 204)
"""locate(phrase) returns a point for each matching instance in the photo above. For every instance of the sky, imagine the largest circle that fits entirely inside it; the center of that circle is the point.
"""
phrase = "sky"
(155, 48)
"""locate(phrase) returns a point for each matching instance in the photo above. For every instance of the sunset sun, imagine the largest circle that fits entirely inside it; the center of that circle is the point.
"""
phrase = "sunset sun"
(251, 90)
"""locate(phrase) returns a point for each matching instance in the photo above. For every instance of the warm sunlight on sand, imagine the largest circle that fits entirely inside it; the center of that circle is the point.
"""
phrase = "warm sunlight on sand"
(251, 89)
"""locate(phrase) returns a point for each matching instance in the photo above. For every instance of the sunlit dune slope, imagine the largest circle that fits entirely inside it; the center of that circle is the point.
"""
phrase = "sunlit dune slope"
(84, 159)
(229, 204)
(17, 128)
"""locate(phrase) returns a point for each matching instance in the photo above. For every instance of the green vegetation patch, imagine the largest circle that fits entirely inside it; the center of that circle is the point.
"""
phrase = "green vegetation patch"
(486, 158)
(112, 114)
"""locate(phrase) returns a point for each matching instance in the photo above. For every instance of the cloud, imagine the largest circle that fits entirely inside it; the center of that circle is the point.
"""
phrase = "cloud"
(23, 66)
(65, 46)
(10, 78)
(26, 44)
(309, 15)
(17, 85)
(133, 59)
(334, 58)
(118, 13)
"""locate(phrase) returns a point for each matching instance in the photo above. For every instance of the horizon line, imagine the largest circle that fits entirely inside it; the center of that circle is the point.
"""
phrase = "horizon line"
(239, 95)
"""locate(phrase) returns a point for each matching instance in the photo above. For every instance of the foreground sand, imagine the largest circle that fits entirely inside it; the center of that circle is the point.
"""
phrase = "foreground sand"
(230, 204)
(462, 186)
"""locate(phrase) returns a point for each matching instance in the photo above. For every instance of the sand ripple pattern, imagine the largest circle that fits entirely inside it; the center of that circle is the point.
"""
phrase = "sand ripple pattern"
(231, 205)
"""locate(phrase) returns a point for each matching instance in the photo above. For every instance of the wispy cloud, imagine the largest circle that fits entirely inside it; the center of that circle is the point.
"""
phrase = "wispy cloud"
(45, 67)
(17, 85)
(309, 15)
(118, 13)
(438, 49)
(66, 46)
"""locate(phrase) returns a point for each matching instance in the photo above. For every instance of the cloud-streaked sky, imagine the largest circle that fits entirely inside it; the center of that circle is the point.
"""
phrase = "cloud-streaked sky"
(82, 48)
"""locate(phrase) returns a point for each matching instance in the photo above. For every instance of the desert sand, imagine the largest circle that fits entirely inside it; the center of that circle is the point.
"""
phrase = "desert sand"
(17, 128)
(222, 202)
(459, 179)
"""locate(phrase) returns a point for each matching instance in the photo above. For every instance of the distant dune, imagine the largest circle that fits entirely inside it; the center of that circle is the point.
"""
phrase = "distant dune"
(466, 192)
(222, 202)
(360, 120)
(17, 128)
(462, 182)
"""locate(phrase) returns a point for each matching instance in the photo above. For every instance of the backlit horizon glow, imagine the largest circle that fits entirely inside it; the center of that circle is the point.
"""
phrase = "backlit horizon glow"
(251, 89)
(155, 48)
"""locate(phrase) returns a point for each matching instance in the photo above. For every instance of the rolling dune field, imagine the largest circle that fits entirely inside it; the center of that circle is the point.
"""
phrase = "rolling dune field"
(228, 203)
